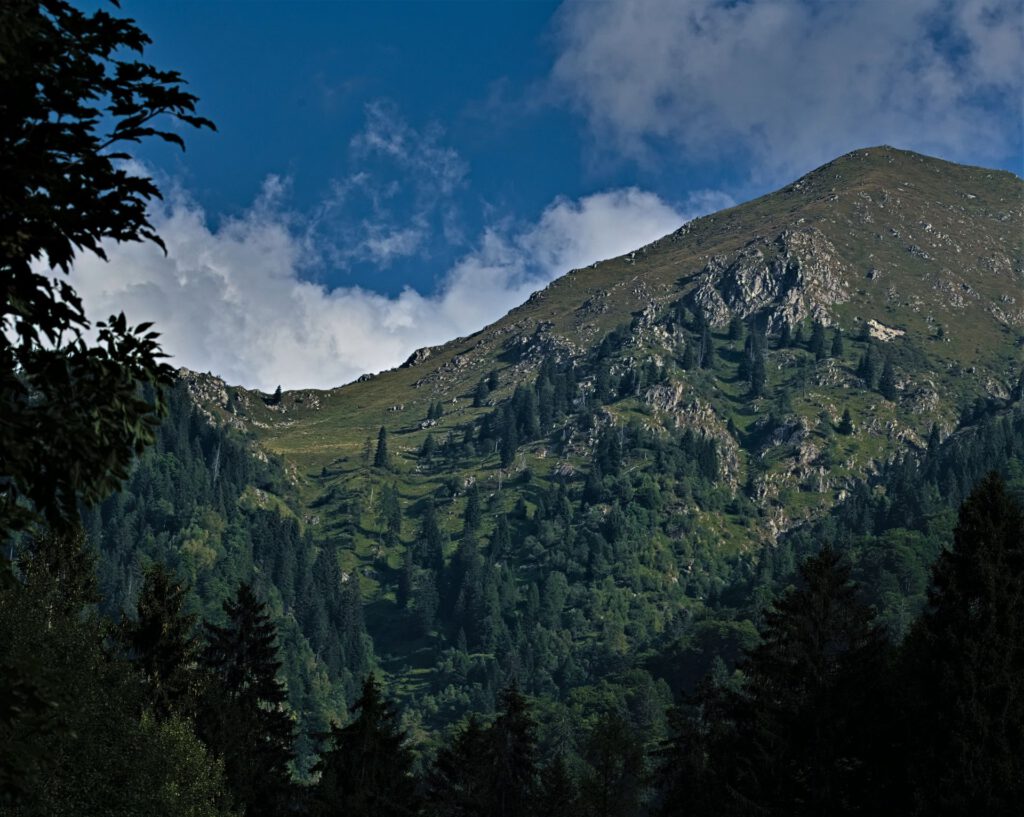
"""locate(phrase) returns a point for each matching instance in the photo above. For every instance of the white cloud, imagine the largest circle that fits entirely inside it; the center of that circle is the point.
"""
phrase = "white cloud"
(788, 84)
(232, 300)
(401, 184)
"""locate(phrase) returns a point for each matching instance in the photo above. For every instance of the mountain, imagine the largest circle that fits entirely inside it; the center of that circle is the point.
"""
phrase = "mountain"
(920, 255)
(598, 493)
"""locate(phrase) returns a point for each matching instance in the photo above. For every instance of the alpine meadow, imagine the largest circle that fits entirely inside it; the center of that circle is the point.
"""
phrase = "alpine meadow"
(729, 524)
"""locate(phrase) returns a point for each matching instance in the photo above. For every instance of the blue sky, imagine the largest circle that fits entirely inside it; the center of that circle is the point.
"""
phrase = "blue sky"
(388, 175)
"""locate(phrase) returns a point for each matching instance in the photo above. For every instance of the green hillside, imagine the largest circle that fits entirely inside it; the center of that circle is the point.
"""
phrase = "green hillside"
(599, 493)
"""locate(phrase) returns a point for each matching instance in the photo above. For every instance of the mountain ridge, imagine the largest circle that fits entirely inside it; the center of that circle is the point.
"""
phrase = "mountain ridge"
(644, 449)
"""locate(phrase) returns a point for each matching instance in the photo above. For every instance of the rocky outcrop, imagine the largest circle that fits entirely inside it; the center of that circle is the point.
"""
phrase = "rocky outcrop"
(796, 275)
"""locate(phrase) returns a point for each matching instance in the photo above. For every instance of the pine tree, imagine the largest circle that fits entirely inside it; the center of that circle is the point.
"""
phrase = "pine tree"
(557, 793)
(689, 360)
(431, 542)
(613, 783)
(472, 517)
(706, 354)
(512, 757)
(368, 769)
(161, 642)
(380, 458)
(457, 784)
(867, 369)
(817, 344)
(244, 719)
(501, 541)
(493, 381)
(480, 394)
(838, 348)
(429, 449)
(275, 400)
(810, 702)
(403, 594)
(736, 328)
(887, 382)
(966, 657)
(846, 424)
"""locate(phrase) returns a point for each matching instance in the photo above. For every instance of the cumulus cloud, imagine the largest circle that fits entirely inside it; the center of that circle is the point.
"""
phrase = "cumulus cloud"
(232, 300)
(400, 187)
(788, 84)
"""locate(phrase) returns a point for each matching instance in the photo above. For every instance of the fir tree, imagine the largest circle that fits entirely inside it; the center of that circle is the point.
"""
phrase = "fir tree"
(161, 641)
(429, 449)
(689, 360)
(706, 355)
(557, 792)
(838, 348)
(380, 457)
(480, 394)
(867, 369)
(846, 424)
(512, 757)
(457, 784)
(966, 657)
(887, 382)
(243, 718)
(367, 771)
(810, 702)
(736, 328)
(403, 594)
(817, 344)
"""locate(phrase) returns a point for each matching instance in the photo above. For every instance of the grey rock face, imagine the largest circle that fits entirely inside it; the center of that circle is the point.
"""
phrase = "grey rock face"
(796, 275)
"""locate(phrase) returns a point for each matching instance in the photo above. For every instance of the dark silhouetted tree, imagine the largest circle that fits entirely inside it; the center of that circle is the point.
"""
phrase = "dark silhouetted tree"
(243, 718)
(367, 770)
(966, 658)
(380, 457)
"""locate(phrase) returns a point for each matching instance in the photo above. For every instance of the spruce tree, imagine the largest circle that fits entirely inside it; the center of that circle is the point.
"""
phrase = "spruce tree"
(458, 783)
(817, 345)
(380, 457)
(557, 792)
(706, 354)
(244, 719)
(846, 424)
(810, 703)
(367, 771)
(736, 328)
(838, 347)
(161, 642)
(480, 394)
(429, 449)
(432, 540)
(966, 661)
(689, 359)
(887, 382)
(511, 744)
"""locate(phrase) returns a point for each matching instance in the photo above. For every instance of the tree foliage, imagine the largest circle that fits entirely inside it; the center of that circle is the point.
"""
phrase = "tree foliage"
(74, 94)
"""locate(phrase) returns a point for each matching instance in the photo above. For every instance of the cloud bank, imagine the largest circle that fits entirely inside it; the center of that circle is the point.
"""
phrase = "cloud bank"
(233, 300)
(785, 85)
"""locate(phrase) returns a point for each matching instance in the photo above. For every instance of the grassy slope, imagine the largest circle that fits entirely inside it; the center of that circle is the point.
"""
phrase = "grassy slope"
(881, 209)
